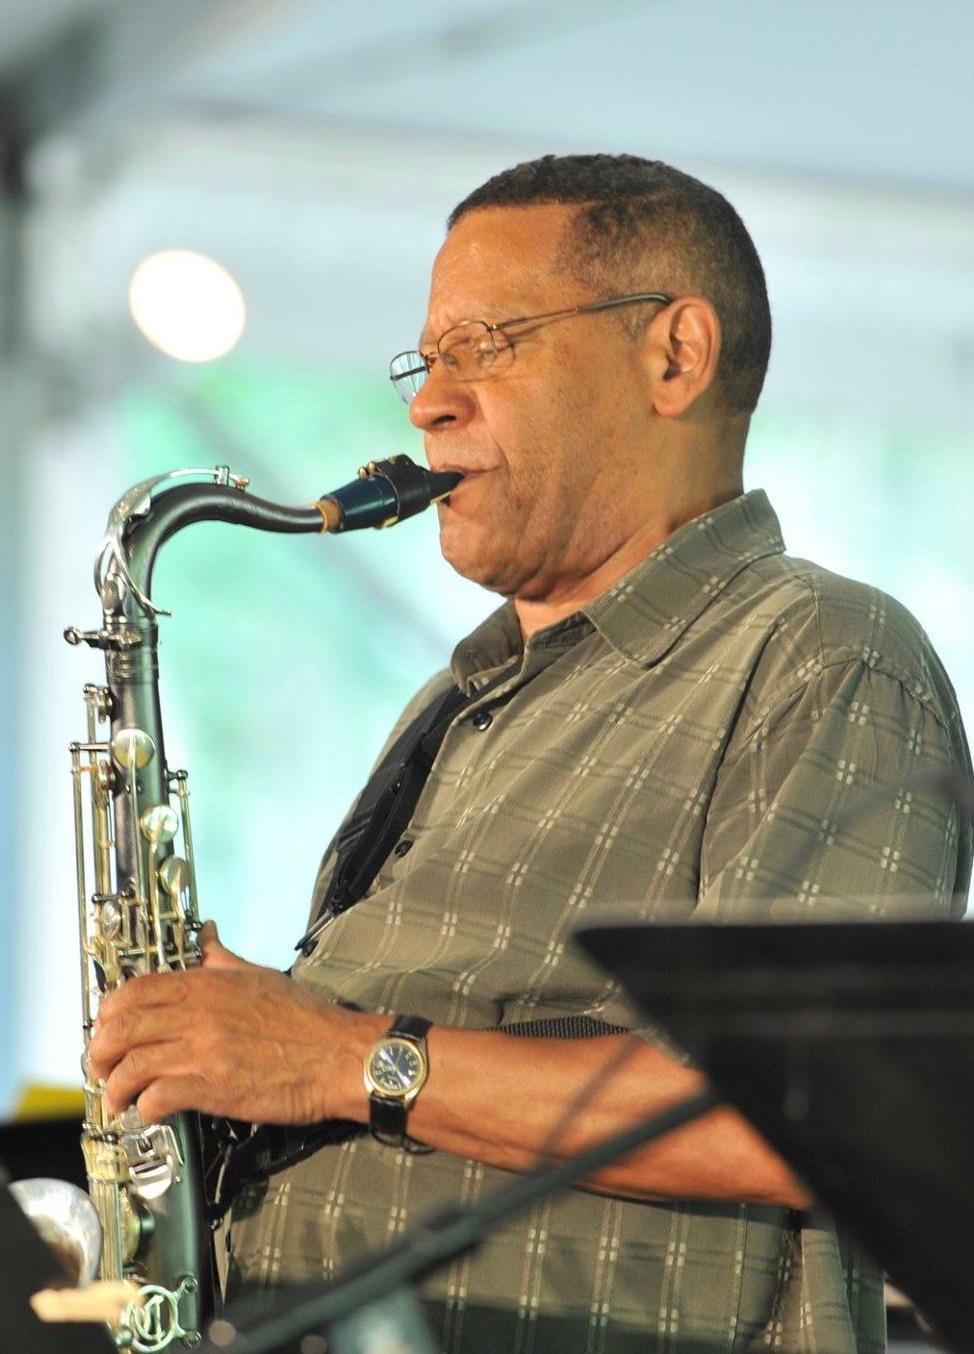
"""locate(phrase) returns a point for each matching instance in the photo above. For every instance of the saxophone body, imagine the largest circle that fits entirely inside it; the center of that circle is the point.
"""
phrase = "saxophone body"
(134, 843)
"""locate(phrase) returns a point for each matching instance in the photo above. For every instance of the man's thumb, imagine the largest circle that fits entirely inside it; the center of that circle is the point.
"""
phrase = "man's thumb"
(216, 955)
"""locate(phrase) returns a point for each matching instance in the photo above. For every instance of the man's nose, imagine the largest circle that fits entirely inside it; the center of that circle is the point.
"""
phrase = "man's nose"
(441, 402)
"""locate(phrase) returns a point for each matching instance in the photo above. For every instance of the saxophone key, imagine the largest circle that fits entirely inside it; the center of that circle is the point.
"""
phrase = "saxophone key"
(133, 748)
(159, 824)
(174, 876)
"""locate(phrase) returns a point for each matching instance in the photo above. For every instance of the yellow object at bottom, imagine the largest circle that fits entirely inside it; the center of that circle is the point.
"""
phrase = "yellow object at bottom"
(49, 1102)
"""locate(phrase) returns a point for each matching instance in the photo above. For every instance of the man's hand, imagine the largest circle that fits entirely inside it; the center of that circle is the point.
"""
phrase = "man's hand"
(230, 1038)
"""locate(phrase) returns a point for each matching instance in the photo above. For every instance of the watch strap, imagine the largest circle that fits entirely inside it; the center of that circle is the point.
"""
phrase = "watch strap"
(410, 1027)
(387, 1120)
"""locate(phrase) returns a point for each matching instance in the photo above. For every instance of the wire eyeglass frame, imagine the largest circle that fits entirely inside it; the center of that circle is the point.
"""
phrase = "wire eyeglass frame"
(410, 368)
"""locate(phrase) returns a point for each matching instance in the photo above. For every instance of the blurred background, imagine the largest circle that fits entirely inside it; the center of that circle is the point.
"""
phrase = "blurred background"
(313, 151)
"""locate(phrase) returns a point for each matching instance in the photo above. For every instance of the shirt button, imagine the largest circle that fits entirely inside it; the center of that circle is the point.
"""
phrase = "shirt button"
(482, 720)
(402, 847)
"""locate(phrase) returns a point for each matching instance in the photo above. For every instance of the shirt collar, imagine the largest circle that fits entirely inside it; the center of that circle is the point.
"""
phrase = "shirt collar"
(646, 612)
(479, 656)
(497, 643)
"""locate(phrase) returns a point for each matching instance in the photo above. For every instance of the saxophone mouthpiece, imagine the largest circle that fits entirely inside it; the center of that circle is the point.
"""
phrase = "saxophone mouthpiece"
(385, 492)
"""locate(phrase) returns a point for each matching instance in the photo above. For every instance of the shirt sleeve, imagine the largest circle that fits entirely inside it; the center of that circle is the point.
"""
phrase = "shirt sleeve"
(837, 806)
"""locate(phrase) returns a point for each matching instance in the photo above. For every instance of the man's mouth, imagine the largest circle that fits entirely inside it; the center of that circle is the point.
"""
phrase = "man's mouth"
(455, 468)
(466, 477)
(442, 483)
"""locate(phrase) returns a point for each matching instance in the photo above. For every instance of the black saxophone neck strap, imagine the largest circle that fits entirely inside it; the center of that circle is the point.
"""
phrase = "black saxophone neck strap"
(383, 809)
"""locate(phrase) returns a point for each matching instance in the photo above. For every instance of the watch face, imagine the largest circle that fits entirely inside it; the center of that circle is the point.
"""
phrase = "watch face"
(396, 1066)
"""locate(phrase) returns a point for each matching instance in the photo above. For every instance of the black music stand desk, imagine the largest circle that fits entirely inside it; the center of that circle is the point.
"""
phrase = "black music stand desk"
(851, 1048)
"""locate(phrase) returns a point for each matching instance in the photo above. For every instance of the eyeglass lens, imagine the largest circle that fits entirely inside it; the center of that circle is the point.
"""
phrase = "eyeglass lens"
(407, 371)
(469, 351)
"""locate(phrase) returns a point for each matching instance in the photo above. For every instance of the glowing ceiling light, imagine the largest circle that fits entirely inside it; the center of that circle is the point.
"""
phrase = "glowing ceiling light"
(187, 305)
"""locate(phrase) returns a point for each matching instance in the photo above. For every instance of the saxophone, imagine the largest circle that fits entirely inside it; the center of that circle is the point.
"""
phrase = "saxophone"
(147, 1181)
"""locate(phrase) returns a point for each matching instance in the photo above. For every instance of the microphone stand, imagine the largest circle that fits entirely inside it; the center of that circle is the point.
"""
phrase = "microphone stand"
(441, 1238)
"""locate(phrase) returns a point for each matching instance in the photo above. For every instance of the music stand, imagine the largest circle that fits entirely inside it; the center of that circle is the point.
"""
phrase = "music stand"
(851, 1048)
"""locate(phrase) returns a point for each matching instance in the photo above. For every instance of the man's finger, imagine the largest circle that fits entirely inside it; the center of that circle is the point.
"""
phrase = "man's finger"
(215, 954)
(171, 1094)
(123, 1030)
(138, 1070)
(148, 989)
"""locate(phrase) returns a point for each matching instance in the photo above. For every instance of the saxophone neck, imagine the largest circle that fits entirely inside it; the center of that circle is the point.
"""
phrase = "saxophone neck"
(149, 513)
(383, 493)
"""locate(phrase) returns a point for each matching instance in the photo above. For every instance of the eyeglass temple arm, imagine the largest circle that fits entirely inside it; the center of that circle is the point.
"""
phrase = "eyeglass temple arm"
(578, 310)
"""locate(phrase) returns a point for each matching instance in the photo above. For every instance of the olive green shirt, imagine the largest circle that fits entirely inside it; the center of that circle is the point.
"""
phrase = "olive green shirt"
(688, 747)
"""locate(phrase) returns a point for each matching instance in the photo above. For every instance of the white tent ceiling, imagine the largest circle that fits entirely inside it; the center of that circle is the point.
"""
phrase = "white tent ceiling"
(316, 148)
(880, 90)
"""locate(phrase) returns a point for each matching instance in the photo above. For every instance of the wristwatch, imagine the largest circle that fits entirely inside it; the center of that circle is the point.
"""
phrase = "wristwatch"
(396, 1069)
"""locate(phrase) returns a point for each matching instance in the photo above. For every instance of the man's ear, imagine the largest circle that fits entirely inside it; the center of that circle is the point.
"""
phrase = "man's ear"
(682, 349)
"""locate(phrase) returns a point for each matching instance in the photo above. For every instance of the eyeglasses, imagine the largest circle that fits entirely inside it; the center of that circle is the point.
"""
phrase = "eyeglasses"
(474, 349)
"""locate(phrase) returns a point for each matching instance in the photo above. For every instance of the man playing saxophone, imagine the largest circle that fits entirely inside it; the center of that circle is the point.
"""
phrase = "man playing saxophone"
(668, 718)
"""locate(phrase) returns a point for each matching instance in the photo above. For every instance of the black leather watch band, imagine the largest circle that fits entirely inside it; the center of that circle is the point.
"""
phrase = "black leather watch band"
(387, 1120)
(388, 1113)
(412, 1026)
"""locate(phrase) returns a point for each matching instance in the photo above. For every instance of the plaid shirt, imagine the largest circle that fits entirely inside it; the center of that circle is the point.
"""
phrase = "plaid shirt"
(689, 746)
